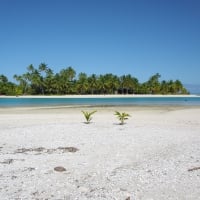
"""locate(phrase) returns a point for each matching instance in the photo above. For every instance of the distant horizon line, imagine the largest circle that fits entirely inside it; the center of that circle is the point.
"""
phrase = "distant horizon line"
(193, 88)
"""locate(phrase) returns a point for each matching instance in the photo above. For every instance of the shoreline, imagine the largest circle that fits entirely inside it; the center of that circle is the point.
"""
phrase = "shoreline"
(99, 96)
(100, 108)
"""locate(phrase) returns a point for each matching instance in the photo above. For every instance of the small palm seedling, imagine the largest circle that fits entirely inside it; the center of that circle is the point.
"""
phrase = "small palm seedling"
(88, 116)
(122, 116)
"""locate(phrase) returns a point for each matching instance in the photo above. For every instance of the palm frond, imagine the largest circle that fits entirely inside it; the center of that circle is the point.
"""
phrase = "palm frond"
(122, 116)
(88, 115)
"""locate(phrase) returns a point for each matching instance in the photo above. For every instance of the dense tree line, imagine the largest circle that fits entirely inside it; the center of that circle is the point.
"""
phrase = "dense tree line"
(43, 81)
(7, 87)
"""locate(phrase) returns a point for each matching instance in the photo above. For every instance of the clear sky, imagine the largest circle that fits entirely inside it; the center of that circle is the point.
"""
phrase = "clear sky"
(137, 37)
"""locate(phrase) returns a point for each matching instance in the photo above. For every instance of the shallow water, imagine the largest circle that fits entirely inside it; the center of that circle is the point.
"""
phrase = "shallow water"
(122, 101)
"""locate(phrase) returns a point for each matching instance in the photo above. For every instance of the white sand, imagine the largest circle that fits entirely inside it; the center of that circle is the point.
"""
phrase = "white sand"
(146, 159)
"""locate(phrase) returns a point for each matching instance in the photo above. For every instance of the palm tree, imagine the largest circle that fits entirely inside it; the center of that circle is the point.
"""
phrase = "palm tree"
(88, 116)
(122, 116)
(3, 79)
(7, 87)
(3, 84)
(71, 73)
(164, 87)
(30, 68)
(23, 84)
(42, 80)
(82, 83)
(111, 83)
(36, 80)
(143, 88)
(171, 86)
(128, 84)
(42, 69)
(154, 84)
(101, 84)
(66, 79)
(49, 82)
(179, 88)
(92, 83)
(57, 84)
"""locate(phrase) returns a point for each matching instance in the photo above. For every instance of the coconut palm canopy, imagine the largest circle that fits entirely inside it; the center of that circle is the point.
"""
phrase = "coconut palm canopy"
(43, 80)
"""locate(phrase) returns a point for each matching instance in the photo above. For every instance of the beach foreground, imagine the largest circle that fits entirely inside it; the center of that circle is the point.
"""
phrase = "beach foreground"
(155, 155)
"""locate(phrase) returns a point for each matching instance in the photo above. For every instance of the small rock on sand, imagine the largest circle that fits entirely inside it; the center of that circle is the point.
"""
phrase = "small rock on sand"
(59, 169)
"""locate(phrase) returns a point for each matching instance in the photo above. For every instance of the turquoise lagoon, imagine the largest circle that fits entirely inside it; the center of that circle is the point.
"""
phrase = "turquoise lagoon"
(100, 101)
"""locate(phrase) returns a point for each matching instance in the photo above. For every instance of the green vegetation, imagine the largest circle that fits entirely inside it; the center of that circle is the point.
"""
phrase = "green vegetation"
(43, 81)
(122, 116)
(6, 87)
(88, 116)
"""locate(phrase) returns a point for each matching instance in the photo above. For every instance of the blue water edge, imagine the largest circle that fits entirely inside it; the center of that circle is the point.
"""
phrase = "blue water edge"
(121, 101)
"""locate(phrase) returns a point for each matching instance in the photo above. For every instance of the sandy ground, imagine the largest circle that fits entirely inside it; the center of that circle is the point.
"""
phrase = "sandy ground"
(154, 156)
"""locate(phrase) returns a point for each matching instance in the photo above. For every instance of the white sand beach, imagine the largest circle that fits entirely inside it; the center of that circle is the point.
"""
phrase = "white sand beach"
(154, 156)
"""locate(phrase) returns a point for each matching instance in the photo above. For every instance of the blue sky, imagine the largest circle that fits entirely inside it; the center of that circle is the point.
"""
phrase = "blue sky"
(138, 37)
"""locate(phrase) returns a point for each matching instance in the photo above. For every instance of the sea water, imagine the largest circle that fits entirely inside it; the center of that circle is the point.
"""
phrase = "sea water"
(100, 101)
